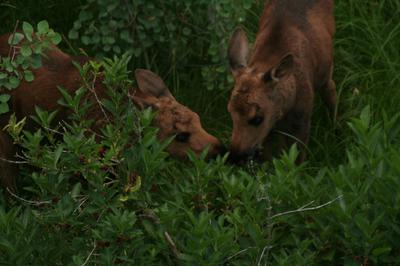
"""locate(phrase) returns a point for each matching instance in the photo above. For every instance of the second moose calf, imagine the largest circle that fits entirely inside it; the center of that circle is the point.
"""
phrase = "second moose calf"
(292, 59)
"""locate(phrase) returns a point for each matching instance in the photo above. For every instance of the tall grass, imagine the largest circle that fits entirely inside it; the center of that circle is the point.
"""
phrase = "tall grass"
(367, 67)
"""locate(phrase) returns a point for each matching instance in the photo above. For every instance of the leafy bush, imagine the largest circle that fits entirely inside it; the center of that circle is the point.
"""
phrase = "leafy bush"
(361, 227)
(160, 30)
(75, 170)
(208, 213)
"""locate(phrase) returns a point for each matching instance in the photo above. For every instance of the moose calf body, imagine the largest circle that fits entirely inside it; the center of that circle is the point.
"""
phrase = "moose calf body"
(291, 59)
(58, 69)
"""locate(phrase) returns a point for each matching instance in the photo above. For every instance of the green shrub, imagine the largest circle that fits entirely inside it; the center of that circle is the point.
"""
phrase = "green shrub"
(202, 213)
(362, 226)
(163, 31)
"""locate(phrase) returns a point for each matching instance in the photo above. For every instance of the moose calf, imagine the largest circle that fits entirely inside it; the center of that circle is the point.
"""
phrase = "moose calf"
(291, 59)
(172, 118)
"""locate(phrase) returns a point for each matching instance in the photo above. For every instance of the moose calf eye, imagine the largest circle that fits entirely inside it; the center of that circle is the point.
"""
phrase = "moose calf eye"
(256, 121)
(182, 137)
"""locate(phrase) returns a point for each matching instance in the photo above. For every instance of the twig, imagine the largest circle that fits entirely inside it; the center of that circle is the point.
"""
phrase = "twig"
(308, 204)
(266, 248)
(294, 138)
(97, 98)
(112, 181)
(303, 209)
(90, 254)
(237, 254)
(70, 46)
(14, 162)
(84, 199)
(13, 36)
(265, 196)
(8, 5)
(149, 214)
(172, 245)
(54, 131)
(36, 203)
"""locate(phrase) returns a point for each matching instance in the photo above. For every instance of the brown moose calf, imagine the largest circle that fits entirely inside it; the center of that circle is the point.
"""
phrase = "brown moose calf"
(172, 118)
(291, 59)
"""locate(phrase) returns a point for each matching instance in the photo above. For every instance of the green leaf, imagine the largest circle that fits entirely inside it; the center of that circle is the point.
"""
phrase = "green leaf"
(76, 190)
(363, 224)
(4, 108)
(116, 49)
(15, 38)
(4, 98)
(73, 34)
(57, 155)
(43, 27)
(186, 257)
(85, 39)
(26, 51)
(36, 48)
(366, 116)
(28, 75)
(36, 61)
(125, 35)
(186, 31)
(123, 198)
(14, 82)
(131, 188)
(85, 15)
(379, 251)
(56, 39)
(28, 30)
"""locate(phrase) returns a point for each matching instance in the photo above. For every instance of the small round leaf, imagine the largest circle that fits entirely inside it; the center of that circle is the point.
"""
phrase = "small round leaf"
(43, 27)
(26, 51)
(15, 38)
(4, 98)
(28, 30)
(28, 76)
(4, 108)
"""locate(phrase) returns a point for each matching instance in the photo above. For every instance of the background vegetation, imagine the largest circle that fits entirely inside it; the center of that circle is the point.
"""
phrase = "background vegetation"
(70, 211)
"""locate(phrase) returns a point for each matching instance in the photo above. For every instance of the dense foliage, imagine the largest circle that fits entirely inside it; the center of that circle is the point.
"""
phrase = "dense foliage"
(115, 197)
(166, 28)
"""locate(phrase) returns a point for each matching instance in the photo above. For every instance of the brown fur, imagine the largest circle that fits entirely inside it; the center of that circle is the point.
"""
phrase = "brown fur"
(58, 70)
(291, 59)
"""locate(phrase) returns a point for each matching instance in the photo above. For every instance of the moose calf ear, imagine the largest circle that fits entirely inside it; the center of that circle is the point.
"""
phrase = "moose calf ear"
(284, 67)
(152, 84)
(238, 50)
(143, 101)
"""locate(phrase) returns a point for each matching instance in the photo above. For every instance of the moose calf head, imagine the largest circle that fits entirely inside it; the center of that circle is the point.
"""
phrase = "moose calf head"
(172, 118)
(262, 93)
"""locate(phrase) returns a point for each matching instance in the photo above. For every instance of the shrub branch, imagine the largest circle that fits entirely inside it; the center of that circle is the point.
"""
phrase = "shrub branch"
(304, 209)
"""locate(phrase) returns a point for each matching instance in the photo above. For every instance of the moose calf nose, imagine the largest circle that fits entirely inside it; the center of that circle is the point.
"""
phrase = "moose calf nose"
(218, 149)
(239, 158)
(235, 157)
